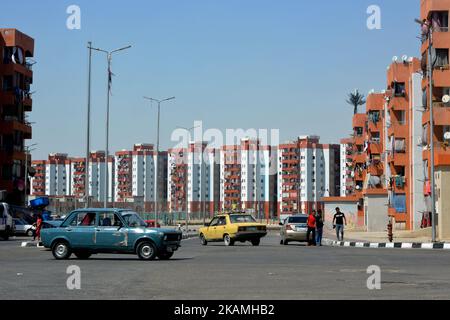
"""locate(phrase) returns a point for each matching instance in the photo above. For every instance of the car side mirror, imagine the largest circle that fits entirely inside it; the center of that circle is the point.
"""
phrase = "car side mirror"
(281, 223)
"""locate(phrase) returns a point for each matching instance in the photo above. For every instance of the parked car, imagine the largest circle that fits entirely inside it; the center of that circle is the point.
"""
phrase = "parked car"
(6, 221)
(90, 231)
(23, 228)
(294, 228)
(230, 228)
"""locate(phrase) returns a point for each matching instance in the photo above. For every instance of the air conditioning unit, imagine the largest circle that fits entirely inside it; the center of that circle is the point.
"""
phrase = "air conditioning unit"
(447, 136)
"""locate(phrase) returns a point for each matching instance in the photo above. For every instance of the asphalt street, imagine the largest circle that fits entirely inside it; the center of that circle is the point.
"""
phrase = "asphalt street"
(268, 272)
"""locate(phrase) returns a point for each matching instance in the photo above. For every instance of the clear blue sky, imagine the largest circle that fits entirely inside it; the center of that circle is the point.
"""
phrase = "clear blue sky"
(231, 63)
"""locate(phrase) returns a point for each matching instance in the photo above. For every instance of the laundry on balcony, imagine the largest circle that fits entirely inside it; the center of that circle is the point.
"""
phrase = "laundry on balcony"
(439, 57)
(399, 89)
(427, 187)
(373, 181)
(425, 169)
(399, 181)
(399, 203)
(374, 117)
(400, 145)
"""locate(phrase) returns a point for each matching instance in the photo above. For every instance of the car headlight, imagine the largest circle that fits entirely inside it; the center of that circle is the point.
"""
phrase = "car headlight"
(165, 237)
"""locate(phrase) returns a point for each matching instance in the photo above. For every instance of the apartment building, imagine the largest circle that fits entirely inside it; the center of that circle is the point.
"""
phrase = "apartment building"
(16, 78)
(404, 159)
(57, 175)
(37, 182)
(246, 180)
(123, 169)
(307, 172)
(97, 172)
(436, 13)
(347, 184)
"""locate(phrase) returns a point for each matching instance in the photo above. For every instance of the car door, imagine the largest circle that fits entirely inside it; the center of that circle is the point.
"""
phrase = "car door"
(111, 234)
(81, 230)
(221, 227)
(211, 229)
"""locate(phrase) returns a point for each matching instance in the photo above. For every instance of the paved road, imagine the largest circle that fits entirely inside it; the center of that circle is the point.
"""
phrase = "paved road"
(270, 271)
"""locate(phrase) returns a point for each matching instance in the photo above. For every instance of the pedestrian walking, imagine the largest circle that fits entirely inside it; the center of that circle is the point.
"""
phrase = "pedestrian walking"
(311, 229)
(37, 232)
(338, 223)
(319, 227)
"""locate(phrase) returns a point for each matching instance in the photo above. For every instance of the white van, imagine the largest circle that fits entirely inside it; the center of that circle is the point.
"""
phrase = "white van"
(6, 221)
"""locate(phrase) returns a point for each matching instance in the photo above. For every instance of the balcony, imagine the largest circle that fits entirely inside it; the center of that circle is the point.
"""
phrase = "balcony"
(399, 159)
(360, 158)
(441, 155)
(441, 113)
(359, 120)
(398, 103)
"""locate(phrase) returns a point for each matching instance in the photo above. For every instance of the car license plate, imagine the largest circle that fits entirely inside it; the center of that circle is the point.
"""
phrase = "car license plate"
(301, 229)
(251, 229)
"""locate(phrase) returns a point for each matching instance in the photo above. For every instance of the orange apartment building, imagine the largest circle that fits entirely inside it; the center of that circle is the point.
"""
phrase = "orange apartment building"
(436, 12)
(16, 76)
(177, 180)
(123, 187)
(38, 180)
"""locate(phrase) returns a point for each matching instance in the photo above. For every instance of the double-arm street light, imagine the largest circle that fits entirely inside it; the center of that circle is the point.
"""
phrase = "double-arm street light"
(109, 60)
(158, 170)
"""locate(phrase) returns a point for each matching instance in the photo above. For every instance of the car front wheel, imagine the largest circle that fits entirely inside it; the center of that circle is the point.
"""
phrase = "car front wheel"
(228, 240)
(61, 250)
(203, 240)
(30, 232)
(146, 251)
(256, 242)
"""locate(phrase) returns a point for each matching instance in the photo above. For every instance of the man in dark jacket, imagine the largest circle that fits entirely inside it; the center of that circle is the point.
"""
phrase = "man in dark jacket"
(319, 227)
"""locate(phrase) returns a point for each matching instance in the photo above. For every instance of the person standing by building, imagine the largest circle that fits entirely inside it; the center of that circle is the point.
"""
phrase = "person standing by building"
(319, 227)
(338, 222)
(311, 233)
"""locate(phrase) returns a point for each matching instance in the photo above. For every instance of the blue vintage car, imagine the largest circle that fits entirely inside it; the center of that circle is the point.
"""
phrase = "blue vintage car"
(89, 231)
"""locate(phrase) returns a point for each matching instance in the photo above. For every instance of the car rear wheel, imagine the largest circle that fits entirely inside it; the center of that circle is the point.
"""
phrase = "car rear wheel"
(146, 251)
(284, 242)
(30, 232)
(256, 242)
(228, 240)
(61, 250)
(203, 240)
(165, 255)
(82, 255)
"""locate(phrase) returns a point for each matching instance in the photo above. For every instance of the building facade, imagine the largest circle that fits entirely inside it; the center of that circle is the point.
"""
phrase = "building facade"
(16, 76)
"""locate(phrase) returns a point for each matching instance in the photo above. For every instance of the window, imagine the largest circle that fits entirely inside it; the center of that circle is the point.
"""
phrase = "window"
(441, 58)
(109, 219)
(84, 219)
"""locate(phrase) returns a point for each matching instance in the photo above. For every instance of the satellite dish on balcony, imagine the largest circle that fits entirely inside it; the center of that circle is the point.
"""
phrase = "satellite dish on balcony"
(394, 59)
(405, 58)
(447, 136)
(446, 99)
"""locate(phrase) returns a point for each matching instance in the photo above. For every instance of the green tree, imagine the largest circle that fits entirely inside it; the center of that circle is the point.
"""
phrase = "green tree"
(356, 99)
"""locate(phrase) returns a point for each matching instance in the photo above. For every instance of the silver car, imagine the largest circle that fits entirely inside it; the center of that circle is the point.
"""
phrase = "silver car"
(294, 228)
(23, 228)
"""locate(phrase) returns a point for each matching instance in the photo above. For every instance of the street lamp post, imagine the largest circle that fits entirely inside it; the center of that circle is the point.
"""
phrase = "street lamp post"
(158, 171)
(109, 60)
(27, 151)
(86, 181)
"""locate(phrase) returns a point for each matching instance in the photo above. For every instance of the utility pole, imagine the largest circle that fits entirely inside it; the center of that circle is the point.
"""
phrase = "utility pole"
(27, 151)
(432, 179)
(88, 133)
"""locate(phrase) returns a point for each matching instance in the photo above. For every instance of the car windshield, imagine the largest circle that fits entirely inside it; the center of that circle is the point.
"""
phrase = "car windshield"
(297, 220)
(132, 219)
(240, 218)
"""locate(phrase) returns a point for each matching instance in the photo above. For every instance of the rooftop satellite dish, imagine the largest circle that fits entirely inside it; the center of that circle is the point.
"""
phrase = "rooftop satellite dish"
(446, 99)
(405, 58)
(394, 59)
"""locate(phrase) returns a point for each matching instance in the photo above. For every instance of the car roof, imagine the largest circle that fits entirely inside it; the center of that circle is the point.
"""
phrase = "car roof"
(102, 210)
(298, 215)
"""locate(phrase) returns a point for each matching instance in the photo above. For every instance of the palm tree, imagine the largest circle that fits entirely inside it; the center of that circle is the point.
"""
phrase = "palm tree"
(356, 99)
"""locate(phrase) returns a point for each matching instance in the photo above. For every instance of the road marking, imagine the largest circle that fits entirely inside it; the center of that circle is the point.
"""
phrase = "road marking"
(446, 245)
(407, 245)
(389, 245)
(359, 244)
(374, 245)
(427, 246)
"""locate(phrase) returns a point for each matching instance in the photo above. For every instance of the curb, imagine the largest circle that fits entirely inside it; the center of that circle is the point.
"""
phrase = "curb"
(189, 235)
(393, 245)
(31, 244)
